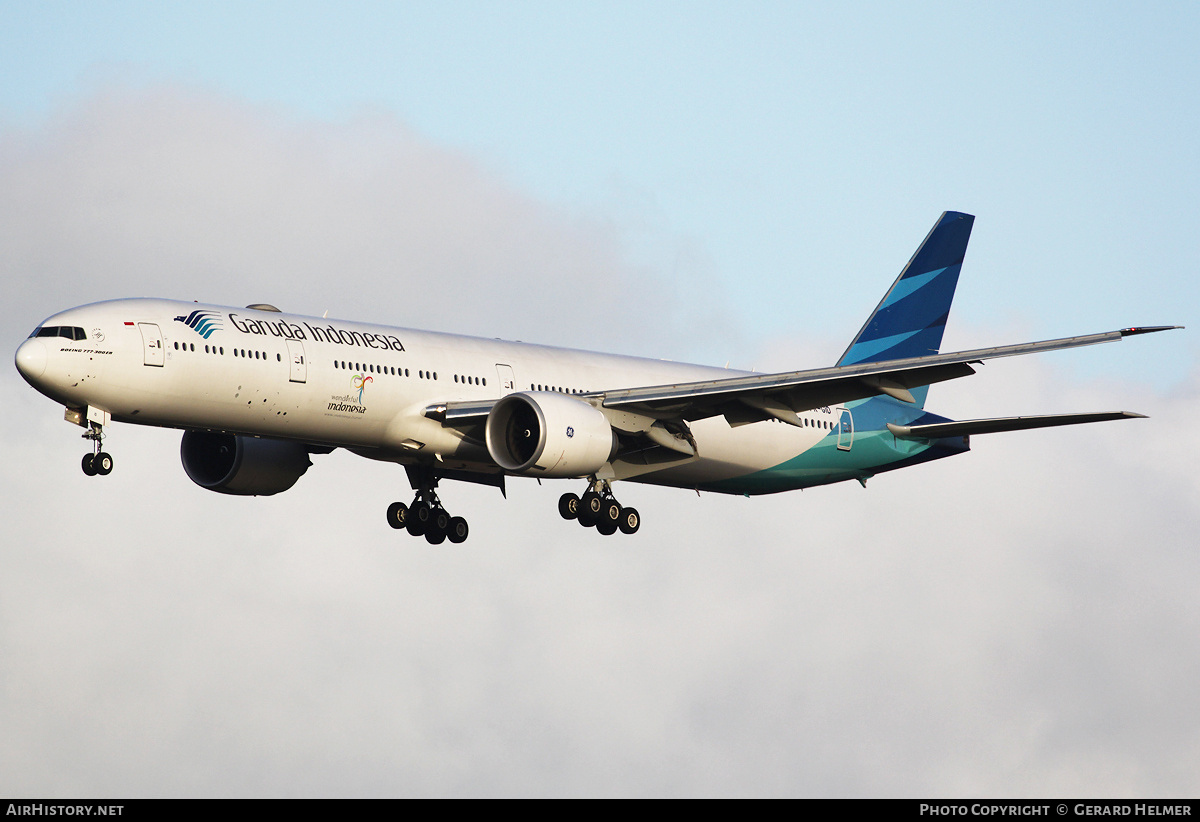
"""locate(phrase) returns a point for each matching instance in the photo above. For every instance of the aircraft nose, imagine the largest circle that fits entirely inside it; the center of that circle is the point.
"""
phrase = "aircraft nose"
(31, 359)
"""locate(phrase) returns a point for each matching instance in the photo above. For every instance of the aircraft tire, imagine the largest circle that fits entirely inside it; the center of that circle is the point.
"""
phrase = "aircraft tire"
(440, 521)
(397, 515)
(590, 505)
(606, 527)
(103, 463)
(89, 466)
(630, 521)
(418, 519)
(435, 537)
(568, 506)
(611, 512)
(458, 530)
(594, 504)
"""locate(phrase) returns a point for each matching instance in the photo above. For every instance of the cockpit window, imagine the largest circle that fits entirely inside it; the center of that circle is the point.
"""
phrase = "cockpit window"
(68, 331)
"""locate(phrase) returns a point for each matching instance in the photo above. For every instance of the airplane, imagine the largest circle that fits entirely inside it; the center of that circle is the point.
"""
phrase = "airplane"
(257, 392)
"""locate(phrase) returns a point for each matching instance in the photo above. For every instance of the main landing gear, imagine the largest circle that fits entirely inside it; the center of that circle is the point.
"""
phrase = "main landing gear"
(97, 462)
(427, 517)
(598, 507)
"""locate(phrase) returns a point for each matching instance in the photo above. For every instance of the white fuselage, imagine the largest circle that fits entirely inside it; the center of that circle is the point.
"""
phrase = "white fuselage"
(352, 385)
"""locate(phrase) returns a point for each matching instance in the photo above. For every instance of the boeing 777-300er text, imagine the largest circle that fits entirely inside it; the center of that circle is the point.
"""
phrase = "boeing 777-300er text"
(257, 391)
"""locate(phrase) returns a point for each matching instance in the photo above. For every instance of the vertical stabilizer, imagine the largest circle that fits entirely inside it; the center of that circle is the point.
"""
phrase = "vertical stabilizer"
(910, 319)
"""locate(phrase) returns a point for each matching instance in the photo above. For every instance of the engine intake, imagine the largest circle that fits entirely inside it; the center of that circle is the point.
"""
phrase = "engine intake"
(246, 466)
(546, 434)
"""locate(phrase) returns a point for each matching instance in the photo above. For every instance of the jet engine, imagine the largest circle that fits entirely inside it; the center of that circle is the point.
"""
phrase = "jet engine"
(546, 434)
(246, 466)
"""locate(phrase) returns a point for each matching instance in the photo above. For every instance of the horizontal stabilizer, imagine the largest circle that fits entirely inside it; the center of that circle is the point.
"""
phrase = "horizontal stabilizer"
(995, 425)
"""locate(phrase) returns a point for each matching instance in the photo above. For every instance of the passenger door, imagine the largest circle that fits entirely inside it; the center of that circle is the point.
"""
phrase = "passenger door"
(508, 381)
(845, 430)
(152, 344)
(299, 372)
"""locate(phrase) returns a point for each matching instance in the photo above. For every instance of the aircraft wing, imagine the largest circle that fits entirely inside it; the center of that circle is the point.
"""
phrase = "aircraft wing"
(782, 396)
(795, 391)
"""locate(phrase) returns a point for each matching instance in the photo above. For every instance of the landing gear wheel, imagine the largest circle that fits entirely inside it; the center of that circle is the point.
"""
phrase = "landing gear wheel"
(594, 504)
(89, 466)
(436, 526)
(606, 527)
(426, 516)
(568, 506)
(589, 509)
(103, 463)
(418, 518)
(397, 515)
(440, 521)
(630, 520)
(610, 512)
(457, 532)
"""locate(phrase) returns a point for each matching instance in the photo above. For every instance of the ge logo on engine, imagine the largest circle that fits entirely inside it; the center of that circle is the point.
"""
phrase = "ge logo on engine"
(570, 431)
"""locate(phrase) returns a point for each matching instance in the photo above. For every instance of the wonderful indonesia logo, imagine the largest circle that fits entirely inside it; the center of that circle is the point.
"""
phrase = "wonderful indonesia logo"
(352, 402)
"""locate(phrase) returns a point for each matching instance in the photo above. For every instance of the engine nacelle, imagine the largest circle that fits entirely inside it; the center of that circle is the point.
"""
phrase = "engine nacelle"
(546, 434)
(236, 464)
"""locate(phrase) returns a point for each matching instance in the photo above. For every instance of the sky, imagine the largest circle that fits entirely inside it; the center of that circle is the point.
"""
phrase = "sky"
(691, 181)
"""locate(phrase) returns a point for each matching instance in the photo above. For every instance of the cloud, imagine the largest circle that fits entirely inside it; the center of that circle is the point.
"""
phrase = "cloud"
(1015, 621)
(179, 193)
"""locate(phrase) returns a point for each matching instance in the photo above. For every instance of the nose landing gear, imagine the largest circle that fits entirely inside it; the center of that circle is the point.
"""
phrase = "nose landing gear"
(97, 462)
(599, 508)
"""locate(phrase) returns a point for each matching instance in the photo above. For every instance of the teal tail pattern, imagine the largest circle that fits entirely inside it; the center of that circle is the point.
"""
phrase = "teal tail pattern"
(911, 317)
